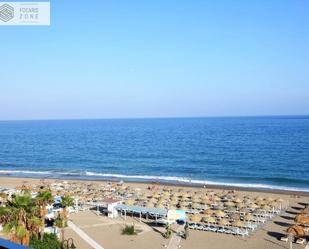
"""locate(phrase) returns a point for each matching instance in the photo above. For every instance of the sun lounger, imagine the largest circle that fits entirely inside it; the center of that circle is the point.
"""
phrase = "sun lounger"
(300, 241)
(285, 239)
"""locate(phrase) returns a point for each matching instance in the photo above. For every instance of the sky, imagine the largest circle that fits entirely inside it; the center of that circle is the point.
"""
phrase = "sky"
(176, 58)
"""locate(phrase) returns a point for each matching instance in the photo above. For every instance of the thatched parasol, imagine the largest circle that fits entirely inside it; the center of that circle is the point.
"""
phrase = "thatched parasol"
(159, 205)
(195, 206)
(129, 202)
(269, 199)
(279, 200)
(195, 218)
(196, 199)
(150, 205)
(223, 222)
(183, 207)
(173, 202)
(259, 198)
(216, 198)
(219, 213)
(253, 205)
(238, 200)
(249, 217)
(266, 208)
(209, 219)
(208, 212)
(297, 231)
(238, 223)
(229, 204)
(234, 216)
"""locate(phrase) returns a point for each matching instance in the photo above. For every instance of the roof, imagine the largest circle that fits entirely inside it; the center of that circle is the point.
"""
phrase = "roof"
(140, 209)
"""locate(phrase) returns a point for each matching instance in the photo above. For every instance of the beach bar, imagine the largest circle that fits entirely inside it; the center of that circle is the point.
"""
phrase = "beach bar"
(154, 212)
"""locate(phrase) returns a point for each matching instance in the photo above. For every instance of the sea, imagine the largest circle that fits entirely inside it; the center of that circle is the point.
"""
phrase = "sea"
(258, 152)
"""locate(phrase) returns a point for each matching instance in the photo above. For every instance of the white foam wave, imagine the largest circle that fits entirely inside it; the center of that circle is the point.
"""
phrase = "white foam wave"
(24, 172)
(172, 179)
(198, 182)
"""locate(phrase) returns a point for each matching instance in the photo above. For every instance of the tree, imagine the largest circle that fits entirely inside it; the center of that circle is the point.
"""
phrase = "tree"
(44, 198)
(168, 232)
(61, 220)
(66, 201)
(20, 218)
(186, 234)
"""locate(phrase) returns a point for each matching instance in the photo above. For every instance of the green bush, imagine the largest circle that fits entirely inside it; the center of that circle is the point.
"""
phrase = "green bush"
(129, 230)
(50, 241)
(168, 232)
(61, 223)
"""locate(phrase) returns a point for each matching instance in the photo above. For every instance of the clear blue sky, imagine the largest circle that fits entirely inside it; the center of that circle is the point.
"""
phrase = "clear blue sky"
(105, 59)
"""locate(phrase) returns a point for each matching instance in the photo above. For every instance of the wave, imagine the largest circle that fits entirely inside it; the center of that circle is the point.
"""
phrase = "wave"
(145, 178)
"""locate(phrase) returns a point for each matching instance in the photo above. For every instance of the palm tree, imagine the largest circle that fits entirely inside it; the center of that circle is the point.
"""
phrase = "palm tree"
(66, 201)
(61, 220)
(44, 198)
(20, 218)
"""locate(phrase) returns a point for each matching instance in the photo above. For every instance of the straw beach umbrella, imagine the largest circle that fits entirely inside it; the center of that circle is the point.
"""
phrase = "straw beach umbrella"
(238, 223)
(279, 200)
(269, 199)
(259, 198)
(240, 205)
(229, 204)
(223, 222)
(253, 206)
(216, 198)
(219, 213)
(150, 205)
(129, 202)
(160, 205)
(234, 216)
(266, 208)
(208, 212)
(249, 217)
(195, 206)
(195, 218)
(238, 200)
(209, 219)
(196, 199)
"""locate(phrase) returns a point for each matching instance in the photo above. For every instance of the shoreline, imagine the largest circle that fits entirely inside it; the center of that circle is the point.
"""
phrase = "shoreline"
(161, 183)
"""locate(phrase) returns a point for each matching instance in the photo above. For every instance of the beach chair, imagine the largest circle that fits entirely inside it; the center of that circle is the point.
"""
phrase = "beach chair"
(221, 230)
(234, 231)
(300, 241)
(199, 227)
(213, 229)
(243, 233)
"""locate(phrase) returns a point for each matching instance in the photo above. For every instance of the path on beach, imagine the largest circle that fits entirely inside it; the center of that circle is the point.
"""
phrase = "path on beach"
(175, 240)
(84, 236)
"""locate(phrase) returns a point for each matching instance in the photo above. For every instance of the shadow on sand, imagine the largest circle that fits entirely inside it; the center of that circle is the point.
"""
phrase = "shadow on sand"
(287, 217)
(291, 212)
(276, 235)
(282, 224)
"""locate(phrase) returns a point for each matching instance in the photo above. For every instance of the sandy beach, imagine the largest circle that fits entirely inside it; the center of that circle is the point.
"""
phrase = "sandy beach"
(107, 232)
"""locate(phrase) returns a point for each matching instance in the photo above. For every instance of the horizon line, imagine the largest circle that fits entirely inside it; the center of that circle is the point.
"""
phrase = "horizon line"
(158, 117)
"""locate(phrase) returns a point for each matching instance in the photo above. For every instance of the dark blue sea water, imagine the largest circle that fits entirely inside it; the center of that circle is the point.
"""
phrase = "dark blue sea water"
(270, 152)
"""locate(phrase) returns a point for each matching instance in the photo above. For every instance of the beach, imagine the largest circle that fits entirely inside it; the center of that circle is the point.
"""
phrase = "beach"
(107, 232)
